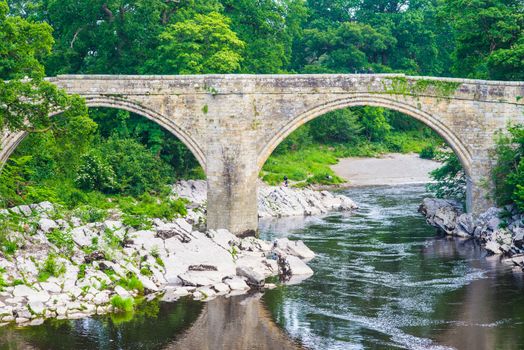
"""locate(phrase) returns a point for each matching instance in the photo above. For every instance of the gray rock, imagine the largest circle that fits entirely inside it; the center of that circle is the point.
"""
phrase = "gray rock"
(83, 236)
(493, 247)
(37, 307)
(254, 278)
(47, 225)
(292, 265)
(465, 226)
(296, 248)
(221, 288)
(122, 292)
(50, 287)
(236, 283)
(200, 278)
(22, 290)
(441, 213)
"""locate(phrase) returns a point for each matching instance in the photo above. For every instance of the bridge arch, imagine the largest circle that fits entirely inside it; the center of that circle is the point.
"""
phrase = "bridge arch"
(12, 140)
(432, 121)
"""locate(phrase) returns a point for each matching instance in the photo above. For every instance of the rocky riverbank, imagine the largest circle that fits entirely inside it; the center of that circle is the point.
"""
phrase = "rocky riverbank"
(275, 201)
(501, 231)
(57, 265)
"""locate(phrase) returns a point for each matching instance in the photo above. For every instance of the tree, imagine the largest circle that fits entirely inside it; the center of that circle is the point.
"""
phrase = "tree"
(508, 172)
(340, 126)
(26, 99)
(204, 44)
(488, 37)
(374, 122)
(450, 178)
(269, 29)
(346, 48)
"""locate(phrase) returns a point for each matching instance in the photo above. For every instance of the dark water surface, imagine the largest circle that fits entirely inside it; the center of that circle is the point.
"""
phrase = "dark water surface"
(383, 280)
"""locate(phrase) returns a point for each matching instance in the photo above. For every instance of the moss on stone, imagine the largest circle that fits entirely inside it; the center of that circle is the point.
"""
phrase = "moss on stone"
(402, 86)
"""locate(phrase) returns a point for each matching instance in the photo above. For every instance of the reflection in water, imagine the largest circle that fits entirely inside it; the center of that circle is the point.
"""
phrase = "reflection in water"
(235, 323)
(383, 280)
(152, 327)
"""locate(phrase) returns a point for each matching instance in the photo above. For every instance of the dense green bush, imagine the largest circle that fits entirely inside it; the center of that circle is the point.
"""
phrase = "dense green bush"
(340, 126)
(137, 170)
(508, 173)
(299, 139)
(374, 122)
(95, 174)
(428, 152)
(450, 178)
(13, 181)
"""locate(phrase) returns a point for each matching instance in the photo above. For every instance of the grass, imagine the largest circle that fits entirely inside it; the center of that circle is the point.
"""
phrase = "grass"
(312, 164)
(122, 304)
(63, 240)
(131, 283)
(51, 268)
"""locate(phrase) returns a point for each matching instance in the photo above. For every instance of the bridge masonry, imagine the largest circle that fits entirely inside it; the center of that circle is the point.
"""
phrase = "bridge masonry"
(232, 123)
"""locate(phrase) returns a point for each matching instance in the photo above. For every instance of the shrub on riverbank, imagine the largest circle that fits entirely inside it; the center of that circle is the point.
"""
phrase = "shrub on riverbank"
(449, 179)
(508, 173)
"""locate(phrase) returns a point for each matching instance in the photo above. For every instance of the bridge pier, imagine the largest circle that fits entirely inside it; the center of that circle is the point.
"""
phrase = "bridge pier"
(232, 171)
(233, 206)
(479, 186)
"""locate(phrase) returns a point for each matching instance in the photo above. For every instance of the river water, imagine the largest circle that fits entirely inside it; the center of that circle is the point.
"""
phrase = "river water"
(383, 280)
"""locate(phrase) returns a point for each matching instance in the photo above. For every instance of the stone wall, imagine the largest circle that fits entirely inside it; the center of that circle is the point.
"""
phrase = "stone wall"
(232, 123)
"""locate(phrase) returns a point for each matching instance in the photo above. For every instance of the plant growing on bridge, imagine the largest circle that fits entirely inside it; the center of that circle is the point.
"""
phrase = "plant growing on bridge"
(403, 86)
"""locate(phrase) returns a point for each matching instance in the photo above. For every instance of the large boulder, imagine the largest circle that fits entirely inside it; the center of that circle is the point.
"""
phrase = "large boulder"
(441, 213)
(295, 248)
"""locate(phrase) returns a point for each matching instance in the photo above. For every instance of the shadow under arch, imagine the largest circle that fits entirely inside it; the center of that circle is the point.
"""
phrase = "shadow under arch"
(462, 152)
(12, 140)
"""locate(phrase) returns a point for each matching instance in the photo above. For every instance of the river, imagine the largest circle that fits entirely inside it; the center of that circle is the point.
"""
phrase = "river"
(383, 280)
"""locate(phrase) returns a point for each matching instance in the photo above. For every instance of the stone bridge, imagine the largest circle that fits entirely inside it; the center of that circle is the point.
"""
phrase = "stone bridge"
(232, 123)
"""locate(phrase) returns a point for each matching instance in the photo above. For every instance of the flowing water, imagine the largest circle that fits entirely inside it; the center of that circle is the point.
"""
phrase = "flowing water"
(383, 280)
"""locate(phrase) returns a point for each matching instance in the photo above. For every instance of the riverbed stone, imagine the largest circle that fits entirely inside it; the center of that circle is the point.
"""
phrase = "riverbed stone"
(36, 307)
(297, 266)
(254, 278)
(221, 288)
(296, 248)
(50, 287)
(47, 225)
(199, 278)
(205, 263)
(83, 236)
(122, 292)
(236, 283)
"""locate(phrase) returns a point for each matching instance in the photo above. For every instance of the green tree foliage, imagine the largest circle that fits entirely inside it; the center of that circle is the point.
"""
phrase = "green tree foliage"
(450, 178)
(203, 44)
(27, 99)
(136, 170)
(345, 48)
(13, 181)
(341, 126)
(374, 122)
(95, 174)
(269, 29)
(113, 36)
(508, 173)
(489, 37)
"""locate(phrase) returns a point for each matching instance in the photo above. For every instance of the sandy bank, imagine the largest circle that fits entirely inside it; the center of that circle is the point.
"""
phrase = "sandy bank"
(390, 169)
